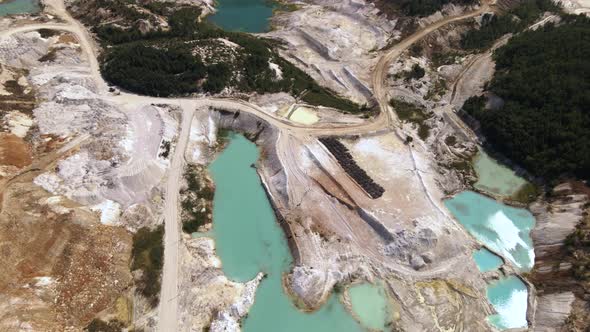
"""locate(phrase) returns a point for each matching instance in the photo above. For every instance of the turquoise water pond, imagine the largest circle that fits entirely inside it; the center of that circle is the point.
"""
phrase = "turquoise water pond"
(487, 260)
(11, 7)
(249, 240)
(494, 177)
(243, 15)
(369, 303)
(509, 296)
(502, 228)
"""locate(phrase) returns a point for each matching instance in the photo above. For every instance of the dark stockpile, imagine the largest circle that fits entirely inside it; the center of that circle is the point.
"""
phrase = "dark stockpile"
(350, 166)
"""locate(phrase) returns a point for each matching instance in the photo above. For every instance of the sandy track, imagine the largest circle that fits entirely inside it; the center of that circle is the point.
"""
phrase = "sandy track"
(168, 295)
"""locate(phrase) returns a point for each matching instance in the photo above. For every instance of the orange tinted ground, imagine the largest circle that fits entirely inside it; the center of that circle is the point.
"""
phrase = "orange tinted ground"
(14, 151)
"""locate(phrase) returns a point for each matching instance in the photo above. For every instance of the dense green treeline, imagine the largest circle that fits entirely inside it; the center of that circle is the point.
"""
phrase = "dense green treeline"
(494, 27)
(543, 77)
(152, 71)
(163, 63)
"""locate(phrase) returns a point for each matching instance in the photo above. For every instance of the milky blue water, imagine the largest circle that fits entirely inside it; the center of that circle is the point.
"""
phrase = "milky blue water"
(503, 228)
(249, 240)
(509, 297)
(487, 260)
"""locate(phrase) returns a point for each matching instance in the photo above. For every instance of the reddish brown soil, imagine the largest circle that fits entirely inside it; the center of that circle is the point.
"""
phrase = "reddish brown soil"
(14, 151)
(88, 262)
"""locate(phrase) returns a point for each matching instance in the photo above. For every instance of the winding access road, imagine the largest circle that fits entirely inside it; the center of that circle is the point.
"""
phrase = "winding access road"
(380, 71)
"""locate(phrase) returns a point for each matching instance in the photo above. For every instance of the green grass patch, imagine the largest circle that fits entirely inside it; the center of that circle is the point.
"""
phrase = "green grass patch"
(443, 59)
(439, 89)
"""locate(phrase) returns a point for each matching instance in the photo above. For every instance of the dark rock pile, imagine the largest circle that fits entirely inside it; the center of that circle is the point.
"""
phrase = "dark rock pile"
(350, 166)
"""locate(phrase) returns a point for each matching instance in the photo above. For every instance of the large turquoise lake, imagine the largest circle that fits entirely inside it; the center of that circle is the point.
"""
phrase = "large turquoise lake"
(503, 228)
(249, 240)
(243, 15)
(12, 7)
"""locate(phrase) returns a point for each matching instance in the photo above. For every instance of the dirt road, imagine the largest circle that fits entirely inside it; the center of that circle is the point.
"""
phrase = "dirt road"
(380, 72)
(168, 320)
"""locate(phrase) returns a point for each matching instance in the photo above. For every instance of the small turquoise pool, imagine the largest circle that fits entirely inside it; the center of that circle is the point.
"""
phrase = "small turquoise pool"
(495, 178)
(371, 306)
(502, 228)
(12, 7)
(509, 297)
(487, 260)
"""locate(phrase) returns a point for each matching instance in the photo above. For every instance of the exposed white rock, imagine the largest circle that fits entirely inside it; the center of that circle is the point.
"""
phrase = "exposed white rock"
(277, 70)
(556, 220)
(54, 204)
(48, 181)
(229, 319)
(43, 281)
(109, 211)
(18, 123)
(208, 298)
(203, 135)
(68, 92)
(335, 40)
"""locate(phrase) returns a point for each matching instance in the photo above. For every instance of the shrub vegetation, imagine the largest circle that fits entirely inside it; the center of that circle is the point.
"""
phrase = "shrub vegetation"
(197, 202)
(408, 112)
(147, 254)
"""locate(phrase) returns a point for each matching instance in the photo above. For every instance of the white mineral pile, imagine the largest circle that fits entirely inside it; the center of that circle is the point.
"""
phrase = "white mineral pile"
(203, 137)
